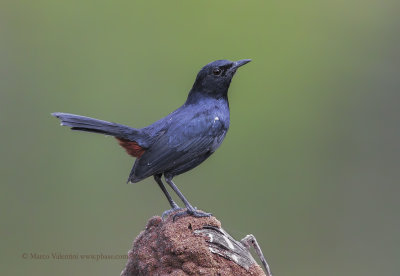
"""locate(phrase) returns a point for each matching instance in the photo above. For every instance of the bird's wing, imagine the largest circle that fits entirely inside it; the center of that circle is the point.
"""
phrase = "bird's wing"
(182, 142)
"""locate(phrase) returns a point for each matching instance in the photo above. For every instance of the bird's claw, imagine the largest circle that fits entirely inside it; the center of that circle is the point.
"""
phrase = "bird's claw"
(168, 212)
(191, 212)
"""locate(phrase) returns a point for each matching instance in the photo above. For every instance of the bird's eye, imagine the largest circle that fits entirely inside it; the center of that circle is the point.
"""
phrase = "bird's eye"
(217, 71)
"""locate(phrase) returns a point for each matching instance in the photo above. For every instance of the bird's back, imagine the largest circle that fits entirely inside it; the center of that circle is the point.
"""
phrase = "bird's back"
(183, 139)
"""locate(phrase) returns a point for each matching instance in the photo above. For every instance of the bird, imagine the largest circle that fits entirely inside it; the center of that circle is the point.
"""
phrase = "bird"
(178, 142)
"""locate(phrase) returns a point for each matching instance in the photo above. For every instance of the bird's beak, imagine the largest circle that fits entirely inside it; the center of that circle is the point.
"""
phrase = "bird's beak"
(239, 63)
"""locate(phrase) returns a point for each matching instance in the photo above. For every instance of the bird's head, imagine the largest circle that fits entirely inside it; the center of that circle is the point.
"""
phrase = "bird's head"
(214, 78)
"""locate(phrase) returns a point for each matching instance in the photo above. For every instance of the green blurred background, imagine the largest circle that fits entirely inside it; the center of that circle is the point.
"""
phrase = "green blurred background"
(310, 165)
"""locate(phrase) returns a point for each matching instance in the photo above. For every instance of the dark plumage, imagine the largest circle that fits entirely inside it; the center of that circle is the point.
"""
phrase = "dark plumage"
(180, 141)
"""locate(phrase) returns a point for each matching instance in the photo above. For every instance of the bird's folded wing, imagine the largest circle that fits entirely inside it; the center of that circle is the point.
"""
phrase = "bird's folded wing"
(180, 144)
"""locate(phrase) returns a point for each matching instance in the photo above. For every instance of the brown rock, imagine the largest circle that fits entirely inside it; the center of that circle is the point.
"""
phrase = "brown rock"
(172, 248)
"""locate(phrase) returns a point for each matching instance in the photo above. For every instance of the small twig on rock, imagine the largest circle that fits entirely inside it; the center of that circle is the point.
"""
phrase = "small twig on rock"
(250, 240)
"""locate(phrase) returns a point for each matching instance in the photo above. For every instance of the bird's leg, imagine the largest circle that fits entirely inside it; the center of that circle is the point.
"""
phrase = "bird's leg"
(190, 209)
(174, 206)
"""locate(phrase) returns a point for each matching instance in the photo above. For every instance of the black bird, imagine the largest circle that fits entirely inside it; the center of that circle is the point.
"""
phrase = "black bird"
(180, 141)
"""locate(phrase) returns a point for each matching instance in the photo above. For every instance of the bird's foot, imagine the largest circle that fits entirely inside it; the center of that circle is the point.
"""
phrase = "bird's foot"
(191, 212)
(168, 212)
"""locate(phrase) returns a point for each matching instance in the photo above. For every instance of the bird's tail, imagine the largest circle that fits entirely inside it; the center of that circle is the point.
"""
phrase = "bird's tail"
(82, 123)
